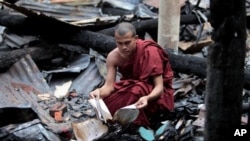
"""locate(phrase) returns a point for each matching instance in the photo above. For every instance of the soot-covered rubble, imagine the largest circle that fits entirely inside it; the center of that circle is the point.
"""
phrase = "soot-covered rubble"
(43, 96)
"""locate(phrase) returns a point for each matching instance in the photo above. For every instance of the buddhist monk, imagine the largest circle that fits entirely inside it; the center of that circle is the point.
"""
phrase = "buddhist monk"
(146, 76)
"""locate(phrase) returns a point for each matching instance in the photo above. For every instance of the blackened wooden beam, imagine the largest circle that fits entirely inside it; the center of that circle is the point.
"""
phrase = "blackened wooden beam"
(225, 70)
(58, 32)
(8, 58)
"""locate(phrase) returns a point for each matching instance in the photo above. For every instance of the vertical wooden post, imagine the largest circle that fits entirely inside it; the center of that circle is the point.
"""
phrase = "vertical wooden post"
(225, 70)
(169, 24)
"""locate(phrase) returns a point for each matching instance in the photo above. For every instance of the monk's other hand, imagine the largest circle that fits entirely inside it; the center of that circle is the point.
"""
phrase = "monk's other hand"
(94, 94)
(142, 102)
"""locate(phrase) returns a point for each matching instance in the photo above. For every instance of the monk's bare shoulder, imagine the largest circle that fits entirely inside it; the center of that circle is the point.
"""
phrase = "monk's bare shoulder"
(113, 57)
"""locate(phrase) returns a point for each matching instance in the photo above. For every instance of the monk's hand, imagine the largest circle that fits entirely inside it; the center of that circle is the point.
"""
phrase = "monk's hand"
(142, 102)
(94, 94)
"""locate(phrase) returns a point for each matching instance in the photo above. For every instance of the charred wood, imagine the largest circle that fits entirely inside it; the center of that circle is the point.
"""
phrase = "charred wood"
(187, 63)
(115, 11)
(59, 32)
(225, 65)
(7, 58)
(151, 25)
(51, 29)
(248, 21)
(143, 26)
(96, 41)
(46, 27)
(55, 31)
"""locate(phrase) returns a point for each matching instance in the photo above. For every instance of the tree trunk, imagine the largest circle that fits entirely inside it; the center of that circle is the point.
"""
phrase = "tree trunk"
(225, 70)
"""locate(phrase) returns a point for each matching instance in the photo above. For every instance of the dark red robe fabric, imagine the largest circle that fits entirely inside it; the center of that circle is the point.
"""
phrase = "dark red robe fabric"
(150, 59)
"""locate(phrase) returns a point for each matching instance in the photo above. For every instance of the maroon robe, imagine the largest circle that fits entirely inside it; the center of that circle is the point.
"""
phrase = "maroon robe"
(137, 81)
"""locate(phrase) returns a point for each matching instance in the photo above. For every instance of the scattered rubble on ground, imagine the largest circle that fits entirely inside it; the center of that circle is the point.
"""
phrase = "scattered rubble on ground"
(29, 109)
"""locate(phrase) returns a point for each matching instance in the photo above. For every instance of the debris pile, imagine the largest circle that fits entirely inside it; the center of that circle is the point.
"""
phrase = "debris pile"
(52, 54)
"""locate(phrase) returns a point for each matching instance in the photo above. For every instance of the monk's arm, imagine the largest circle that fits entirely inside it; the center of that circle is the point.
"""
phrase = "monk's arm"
(108, 86)
(155, 93)
(158, 88)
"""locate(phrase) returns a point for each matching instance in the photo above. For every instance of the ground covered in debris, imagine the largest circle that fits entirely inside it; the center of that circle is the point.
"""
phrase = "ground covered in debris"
(45, 81)
(182, 124)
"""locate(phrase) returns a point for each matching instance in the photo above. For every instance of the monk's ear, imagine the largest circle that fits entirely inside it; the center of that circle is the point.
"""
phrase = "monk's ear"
(136, 36)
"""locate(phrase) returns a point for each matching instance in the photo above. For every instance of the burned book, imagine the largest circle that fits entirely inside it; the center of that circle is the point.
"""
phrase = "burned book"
(124, 115)
(102, 111)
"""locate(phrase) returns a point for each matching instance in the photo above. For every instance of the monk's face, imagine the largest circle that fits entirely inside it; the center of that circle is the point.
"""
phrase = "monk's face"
(126, 43)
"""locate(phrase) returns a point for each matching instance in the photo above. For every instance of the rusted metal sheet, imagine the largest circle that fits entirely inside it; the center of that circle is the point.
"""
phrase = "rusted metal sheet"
(20, 82)
(23, 83)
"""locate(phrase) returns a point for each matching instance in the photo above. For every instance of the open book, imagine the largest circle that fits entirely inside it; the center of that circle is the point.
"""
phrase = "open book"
(101, 109)
(123, 115)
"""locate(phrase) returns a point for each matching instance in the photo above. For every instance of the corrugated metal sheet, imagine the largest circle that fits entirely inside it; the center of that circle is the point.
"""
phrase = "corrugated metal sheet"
(17, 41)
(23, 81)
(20, 85)
(87, 80)
(2, 28)
(76, 65)
(62, 12)
(66, 13)
(83, 72)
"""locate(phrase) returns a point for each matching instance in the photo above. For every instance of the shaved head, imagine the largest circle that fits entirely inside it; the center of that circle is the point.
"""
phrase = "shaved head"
(125, 27)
